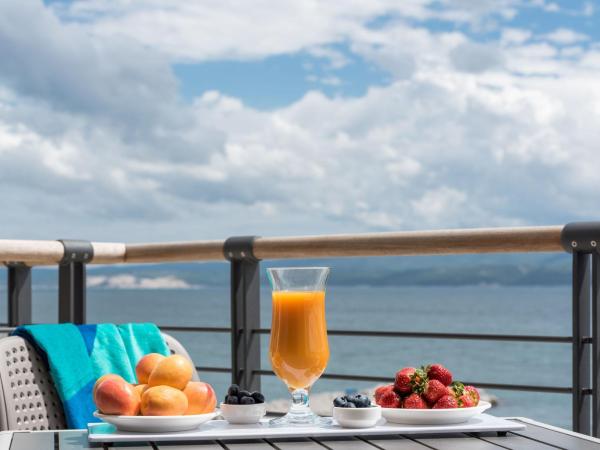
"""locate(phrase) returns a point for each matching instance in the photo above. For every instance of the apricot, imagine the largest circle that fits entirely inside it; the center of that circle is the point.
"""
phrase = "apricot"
(101, 379)
(140, 388)
(201, 398)
(175, 371)
(163, 401)
(146, 365)
(117, 396)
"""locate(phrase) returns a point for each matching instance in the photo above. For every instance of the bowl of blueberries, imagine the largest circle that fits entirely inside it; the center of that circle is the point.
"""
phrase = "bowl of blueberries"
(355, 411)
(242, 406)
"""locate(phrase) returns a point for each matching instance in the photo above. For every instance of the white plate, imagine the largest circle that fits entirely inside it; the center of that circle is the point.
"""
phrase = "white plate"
(156, 424)
(433, 416)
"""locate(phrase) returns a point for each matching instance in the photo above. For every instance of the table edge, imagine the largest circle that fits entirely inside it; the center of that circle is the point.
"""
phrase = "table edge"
(525, 420)
(555, 429)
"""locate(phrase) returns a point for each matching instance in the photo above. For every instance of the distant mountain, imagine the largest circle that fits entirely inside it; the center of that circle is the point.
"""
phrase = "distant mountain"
(509, 270)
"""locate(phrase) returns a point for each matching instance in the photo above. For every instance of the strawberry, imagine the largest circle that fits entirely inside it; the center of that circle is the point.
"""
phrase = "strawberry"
(382, 390)
(446, 402)
(438, 372)
(389, 399)
(415, 401)
(457, 389)
(465, 401)
(434, 390)
(410, 380)
(403, 378)
(473, 393)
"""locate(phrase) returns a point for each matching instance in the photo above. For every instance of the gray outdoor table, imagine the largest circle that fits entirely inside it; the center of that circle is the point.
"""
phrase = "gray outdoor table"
(536, 436)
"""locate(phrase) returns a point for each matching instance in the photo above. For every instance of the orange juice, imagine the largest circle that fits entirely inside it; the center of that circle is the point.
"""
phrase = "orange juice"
(299, 349)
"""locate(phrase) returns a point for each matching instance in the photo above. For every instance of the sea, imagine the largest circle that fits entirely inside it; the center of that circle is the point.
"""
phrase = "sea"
(463, 309)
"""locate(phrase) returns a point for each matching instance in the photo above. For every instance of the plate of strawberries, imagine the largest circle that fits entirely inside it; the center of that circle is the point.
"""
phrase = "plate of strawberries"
(428, 396)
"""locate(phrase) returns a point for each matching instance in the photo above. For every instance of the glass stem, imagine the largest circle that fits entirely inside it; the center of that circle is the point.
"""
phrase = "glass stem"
(299, 401)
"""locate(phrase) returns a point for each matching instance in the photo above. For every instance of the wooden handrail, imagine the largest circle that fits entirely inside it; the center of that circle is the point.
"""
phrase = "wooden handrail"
(436, 242)
(175, 251)
(39, 253)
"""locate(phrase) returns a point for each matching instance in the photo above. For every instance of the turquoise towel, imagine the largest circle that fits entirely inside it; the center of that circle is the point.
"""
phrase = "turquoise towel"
(78, 354)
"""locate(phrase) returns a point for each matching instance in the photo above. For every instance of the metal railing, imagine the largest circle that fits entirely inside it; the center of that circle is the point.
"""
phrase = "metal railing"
(245, 253)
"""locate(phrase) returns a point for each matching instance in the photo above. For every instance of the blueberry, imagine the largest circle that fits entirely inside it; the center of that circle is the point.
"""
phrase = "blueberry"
(247, 400)
(258, 397)
(351, 398)
(361, 401)
(232, 400)
(243, 393)
(340, 402)
(234, 389)
(350, 405)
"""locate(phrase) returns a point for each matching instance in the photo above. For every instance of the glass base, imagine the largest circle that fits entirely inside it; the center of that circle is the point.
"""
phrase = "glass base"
(300, 414)
(299, 420)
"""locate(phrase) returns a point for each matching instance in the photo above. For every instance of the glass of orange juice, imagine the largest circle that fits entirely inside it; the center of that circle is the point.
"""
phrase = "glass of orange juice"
(299, 348)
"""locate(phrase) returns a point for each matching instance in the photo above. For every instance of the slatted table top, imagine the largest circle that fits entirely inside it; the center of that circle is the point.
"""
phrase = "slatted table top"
(537, 436)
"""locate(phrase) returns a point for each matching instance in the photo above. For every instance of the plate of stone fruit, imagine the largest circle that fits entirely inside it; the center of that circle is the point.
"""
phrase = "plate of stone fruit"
(164, 400)
(428, 396)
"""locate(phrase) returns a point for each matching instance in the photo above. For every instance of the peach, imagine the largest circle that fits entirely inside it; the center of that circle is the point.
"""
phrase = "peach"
(101, 379)
(146, 365)
(201, 398)
(117, 396)
(163, 401)
(140, 388)
(175, 371)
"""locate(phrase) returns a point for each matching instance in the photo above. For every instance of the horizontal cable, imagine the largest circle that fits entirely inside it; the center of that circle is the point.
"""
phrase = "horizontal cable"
(500, 386)
(195, 329)
(213, 369)
(426, 335)
(388, 334)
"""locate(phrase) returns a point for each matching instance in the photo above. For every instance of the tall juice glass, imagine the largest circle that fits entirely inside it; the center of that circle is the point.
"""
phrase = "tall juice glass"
(299, 348)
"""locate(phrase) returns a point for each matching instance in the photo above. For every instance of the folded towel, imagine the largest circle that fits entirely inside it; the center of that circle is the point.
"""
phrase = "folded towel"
(78, 354)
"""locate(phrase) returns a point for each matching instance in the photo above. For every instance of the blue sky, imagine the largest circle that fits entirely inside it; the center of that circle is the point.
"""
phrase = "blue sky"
(152, 120)
(280, 80)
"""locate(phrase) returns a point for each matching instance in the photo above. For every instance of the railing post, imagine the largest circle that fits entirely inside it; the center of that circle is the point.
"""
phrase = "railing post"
(581, 351)
(19, 294)
(582, 239)
(596, 344)
(245, 311)
(71, 281)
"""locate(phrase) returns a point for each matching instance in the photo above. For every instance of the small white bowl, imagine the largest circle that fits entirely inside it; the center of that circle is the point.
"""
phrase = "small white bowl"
(243, 413)
(357, 417)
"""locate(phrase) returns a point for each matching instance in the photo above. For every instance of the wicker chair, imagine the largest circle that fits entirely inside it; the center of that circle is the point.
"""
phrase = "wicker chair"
(28, 399)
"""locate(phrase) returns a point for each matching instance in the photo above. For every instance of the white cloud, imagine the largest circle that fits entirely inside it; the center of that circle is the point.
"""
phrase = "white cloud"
(473, 57)
(588, 9)
(514, 36)
(336, 59)
(128, 281)
(328, 80)
(465, 133)
(440, 205)
(566, 36)
(197, 31)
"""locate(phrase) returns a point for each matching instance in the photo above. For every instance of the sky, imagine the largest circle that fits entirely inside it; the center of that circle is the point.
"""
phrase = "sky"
(158, 120)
